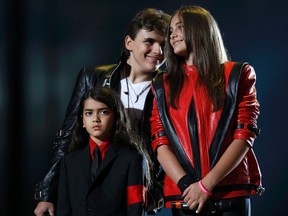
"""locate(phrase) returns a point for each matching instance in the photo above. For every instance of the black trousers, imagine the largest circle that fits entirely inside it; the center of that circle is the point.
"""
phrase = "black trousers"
(240, 206)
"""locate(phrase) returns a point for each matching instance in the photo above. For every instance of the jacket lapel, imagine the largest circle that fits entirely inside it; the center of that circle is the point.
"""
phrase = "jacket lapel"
(111, 154)
(86, 164)
(227, 113)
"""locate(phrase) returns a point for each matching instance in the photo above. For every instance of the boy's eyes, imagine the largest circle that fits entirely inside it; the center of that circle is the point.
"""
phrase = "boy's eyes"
(100, 112)
(150, 41)
(104, 112)
(89, 113)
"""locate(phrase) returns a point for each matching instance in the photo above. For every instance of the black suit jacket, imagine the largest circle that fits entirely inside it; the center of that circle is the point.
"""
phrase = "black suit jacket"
(107, 194)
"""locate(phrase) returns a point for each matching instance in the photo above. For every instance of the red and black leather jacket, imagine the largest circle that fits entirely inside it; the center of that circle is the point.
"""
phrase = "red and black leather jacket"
(88, 77)
(198, 136)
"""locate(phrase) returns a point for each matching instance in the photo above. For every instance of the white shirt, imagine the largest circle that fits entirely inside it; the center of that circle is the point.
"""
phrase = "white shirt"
(133, 97)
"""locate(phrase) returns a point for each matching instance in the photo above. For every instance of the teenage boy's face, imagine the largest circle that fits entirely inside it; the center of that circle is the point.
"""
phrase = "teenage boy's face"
(98, 119)
(146, 50)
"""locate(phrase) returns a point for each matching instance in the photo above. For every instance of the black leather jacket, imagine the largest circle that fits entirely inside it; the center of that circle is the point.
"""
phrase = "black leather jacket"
(88, 77)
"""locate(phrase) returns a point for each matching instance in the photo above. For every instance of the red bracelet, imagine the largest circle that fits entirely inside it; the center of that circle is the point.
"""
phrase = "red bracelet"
(204, 189)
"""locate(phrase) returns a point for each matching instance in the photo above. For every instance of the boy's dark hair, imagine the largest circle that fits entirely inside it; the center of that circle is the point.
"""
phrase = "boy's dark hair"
(149, 19)
(112, 100)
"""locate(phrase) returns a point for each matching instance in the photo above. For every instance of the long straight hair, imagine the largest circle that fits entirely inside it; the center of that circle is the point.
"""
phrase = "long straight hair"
(203, 38)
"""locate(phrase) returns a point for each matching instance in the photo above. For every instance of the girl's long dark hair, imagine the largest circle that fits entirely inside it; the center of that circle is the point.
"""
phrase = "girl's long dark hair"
(122, 131)
(203, 38)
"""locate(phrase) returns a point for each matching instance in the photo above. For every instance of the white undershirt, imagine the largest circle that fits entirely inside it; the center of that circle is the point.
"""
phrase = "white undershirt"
(128, 98)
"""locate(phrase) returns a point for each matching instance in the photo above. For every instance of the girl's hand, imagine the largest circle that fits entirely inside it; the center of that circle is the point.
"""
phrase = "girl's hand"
(195, 197)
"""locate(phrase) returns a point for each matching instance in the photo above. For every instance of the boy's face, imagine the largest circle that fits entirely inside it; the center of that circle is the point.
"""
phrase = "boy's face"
(98, 119)
(146, 51)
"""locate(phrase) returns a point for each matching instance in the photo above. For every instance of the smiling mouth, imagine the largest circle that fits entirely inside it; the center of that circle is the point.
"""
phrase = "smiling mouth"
(177, 42)
(154, 59)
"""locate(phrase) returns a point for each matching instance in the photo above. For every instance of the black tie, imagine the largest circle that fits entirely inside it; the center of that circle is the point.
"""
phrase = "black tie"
(95, 163)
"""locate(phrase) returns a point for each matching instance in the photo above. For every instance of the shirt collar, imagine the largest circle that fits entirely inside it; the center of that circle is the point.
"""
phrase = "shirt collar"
(104, 146)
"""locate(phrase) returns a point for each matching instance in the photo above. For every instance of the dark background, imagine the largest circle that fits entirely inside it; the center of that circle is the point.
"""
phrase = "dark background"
(45, 43)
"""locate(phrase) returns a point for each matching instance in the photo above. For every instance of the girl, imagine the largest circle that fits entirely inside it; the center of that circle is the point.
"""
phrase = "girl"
(204, 121)
(115, 186)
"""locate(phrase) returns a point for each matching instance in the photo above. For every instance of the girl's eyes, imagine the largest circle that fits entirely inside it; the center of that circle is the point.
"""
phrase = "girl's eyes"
(178, 28)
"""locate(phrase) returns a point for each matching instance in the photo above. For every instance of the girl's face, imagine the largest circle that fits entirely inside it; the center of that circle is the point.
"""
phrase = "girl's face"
(98, 119)
(177, 36)
(177, 39)
(146, 51)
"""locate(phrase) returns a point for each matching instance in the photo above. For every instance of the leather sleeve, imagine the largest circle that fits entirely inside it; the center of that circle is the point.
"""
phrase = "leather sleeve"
(156, 128)
(248, 106)
(47, 189)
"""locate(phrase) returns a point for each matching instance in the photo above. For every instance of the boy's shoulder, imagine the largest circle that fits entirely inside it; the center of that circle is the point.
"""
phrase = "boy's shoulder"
(129, 151)
(76, 153)
(98, 69)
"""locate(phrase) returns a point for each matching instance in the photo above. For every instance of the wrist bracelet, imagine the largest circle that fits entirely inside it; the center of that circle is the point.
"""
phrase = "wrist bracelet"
(204, 189)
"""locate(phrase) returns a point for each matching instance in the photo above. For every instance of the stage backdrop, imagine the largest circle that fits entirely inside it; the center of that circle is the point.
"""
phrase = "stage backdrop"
(43, 45)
